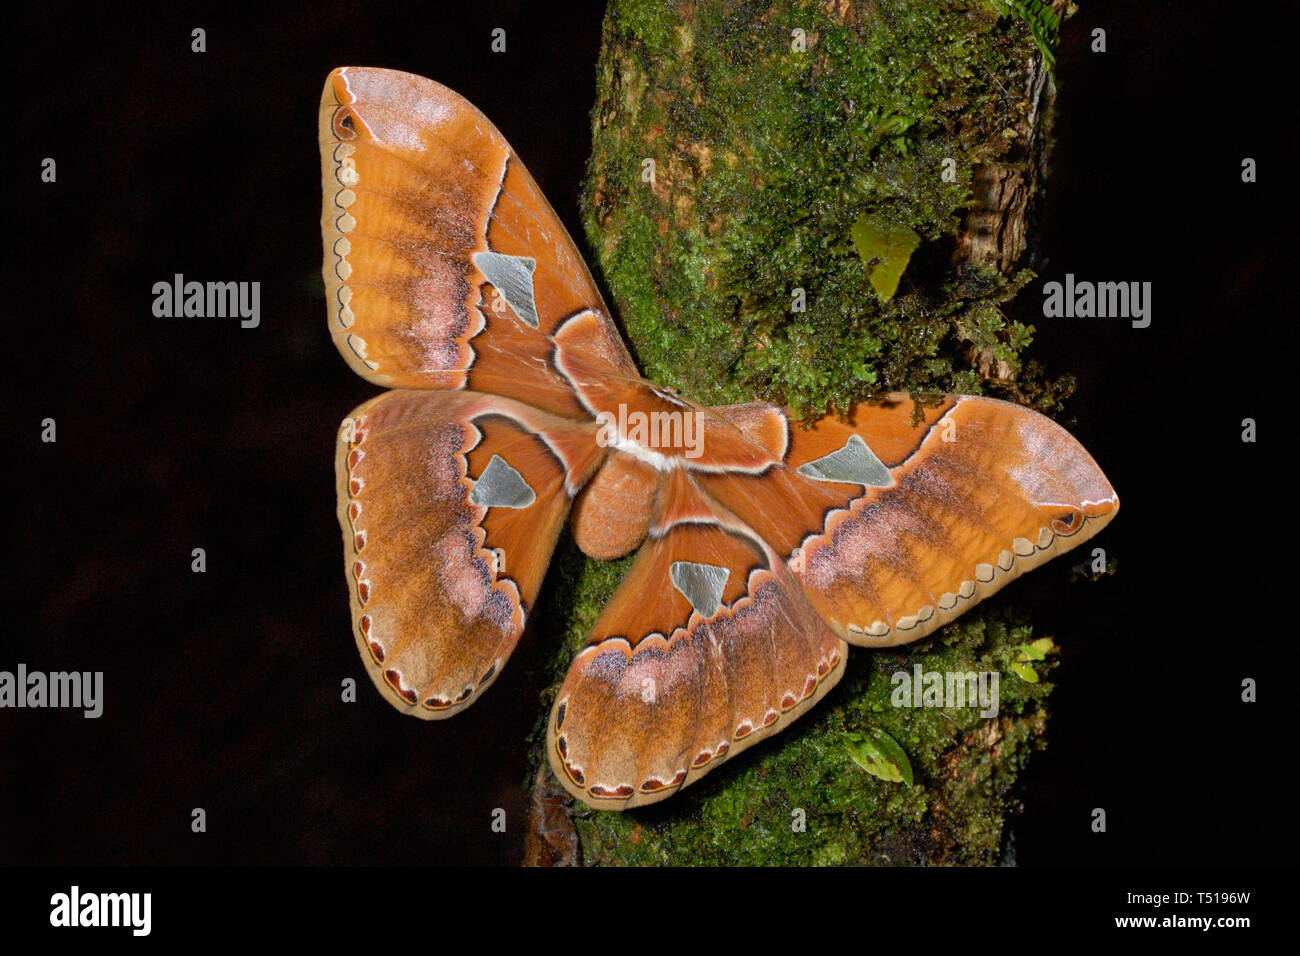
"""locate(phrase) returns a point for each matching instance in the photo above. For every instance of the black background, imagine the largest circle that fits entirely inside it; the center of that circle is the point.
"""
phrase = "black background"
(222, 689)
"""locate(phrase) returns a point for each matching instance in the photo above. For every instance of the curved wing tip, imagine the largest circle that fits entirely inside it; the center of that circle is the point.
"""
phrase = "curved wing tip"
(339, 77)
(1102, 508)
(337, 82)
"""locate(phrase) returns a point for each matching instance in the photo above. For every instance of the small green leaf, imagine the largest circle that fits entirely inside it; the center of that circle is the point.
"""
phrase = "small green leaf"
(879, 755)
(1043, 22)
(1025, 672)
(886, 248)
(1035, 650)
(1044, 644)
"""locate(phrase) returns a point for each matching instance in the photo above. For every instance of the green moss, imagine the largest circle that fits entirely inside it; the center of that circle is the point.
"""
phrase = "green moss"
(1042, 21)
(765, 158)
(964, 767)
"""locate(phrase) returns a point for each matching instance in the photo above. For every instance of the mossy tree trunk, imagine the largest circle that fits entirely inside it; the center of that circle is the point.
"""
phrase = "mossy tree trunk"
(736, 147)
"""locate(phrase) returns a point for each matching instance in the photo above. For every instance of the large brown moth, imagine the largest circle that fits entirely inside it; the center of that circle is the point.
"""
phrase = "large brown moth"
(764, 549)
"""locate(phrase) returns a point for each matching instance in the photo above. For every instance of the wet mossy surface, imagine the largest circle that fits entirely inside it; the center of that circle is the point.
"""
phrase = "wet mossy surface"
(764, 160)
(964, 764)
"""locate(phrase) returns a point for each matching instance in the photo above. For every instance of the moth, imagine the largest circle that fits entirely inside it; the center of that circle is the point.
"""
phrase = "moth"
(764, 549)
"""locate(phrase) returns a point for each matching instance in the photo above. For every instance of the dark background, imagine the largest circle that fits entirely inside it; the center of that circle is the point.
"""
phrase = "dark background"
(222, 689)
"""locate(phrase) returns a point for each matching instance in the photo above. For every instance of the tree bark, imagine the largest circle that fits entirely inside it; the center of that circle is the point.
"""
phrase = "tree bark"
(735, 147)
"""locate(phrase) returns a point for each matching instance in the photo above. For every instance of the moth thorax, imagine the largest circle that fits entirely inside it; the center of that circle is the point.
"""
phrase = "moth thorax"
(654, 426)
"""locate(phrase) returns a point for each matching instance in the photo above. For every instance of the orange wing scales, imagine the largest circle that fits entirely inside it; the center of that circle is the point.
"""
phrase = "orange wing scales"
(443, 558)
(991, 491)
(444, 265)
(732, 653)
(765, 548)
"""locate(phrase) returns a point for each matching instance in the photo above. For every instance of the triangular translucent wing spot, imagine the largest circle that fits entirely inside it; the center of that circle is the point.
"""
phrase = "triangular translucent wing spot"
(691, 662)
(701, 584)
(441, 583)
(501, 486)
(854, 464)
(512, 276)
(444, 265)
(984, 490)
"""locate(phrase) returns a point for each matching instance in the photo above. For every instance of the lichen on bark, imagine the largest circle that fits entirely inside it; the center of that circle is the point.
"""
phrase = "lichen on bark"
(772, 129)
